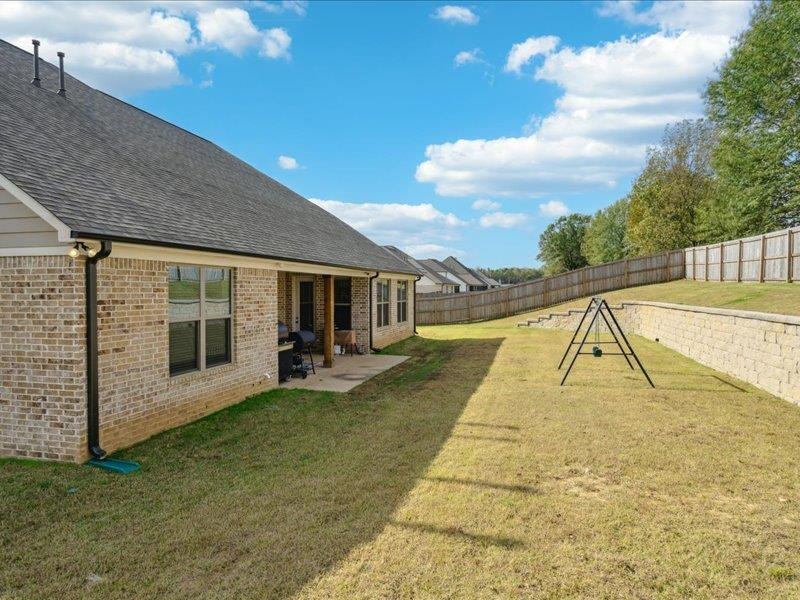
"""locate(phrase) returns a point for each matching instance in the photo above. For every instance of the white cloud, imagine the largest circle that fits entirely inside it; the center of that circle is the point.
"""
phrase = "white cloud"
(421, 251)
(554, 208)
(276, 43)
(208, 69)
(503, 220)
(298, 7)
(126, 48)
(483, 204)
(467, 57)
(288, 163)
(617, 98)
(521, 54)
(679, 15)
(125, 69)
(456, 14)
(402, 225)
(228, 28)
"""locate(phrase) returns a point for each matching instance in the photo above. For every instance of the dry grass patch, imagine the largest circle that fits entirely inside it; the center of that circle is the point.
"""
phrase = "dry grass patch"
(466, 472)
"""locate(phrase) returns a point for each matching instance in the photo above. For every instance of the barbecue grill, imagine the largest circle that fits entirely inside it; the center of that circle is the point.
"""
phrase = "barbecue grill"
(300, 343)
(303, 340)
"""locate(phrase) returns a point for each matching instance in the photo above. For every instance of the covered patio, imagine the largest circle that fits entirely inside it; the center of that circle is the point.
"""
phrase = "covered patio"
(333, 306)
(346, 373)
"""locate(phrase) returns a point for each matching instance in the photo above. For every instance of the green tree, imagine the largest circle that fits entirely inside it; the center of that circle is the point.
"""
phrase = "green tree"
(605, 239)
(512, 274)
(560, 244)
(677, 180)
(755, 104)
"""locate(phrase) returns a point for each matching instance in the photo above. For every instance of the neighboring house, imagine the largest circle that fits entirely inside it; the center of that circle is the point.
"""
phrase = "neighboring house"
(430, 281)
(476, 282)
(434, 266)
(492, 283)
(143, 271)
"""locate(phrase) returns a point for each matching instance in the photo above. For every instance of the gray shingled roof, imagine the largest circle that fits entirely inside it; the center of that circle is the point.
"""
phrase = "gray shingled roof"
(462, 271)
(107, 169)
(416, 265)
(436, 267)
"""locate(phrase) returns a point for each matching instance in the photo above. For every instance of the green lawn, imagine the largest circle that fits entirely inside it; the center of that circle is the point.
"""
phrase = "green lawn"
(466, 472)
(781, 298)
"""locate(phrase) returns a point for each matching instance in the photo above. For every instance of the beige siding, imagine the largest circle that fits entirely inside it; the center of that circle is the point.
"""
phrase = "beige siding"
(20, 227)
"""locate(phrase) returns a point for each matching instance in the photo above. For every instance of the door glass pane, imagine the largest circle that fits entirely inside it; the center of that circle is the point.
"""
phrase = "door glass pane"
(342, 316)
(218, 349)
(182, 347)
(341, 290)
(184, 293)
(307, 305)
(218, 292)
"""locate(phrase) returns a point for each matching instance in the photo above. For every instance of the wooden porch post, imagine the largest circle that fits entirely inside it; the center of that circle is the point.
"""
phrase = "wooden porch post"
(328, 324)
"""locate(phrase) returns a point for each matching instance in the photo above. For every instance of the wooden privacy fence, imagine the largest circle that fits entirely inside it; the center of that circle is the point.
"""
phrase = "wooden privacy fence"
(540, 293)
(769, 257)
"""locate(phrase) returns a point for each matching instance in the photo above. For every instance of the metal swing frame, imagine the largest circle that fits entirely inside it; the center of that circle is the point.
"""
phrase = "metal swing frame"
(598, 307)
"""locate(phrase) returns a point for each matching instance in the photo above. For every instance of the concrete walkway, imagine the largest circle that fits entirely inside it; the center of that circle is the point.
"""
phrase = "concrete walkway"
(347, 372)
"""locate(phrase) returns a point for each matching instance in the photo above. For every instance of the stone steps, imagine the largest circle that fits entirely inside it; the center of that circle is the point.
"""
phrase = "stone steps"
(568, 313)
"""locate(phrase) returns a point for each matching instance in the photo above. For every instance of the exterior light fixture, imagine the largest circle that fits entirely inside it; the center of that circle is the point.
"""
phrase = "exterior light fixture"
(81, 249)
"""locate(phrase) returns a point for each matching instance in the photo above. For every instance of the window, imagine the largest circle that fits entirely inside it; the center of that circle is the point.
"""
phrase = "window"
(342, 303)
(402, 301)
(200, 314)
(383, 302)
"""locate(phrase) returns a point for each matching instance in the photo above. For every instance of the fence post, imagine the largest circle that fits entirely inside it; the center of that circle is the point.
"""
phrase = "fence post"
(721, 261)
(739, 262)
(508, 302)
(469, 307)
(789, 261)
(627, 269)
(762, 260)
(694, 263)
(705, 270)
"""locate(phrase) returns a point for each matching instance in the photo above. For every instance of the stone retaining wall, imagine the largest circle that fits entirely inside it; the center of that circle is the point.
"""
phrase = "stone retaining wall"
(760, 348)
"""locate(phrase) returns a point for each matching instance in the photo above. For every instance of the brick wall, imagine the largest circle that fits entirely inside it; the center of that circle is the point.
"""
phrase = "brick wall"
(285, 298)
(361, 316)
(394, 331)
(759, 348)
(137, 395)
(42, 358)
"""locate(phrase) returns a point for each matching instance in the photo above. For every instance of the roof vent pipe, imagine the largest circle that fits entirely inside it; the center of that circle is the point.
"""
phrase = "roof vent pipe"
(36, 81)
(62, 90)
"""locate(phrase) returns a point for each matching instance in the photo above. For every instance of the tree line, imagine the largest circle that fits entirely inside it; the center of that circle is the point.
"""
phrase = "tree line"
(732, 174)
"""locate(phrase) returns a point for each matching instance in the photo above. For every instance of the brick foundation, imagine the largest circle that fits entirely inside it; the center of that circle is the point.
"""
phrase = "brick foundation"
(137, 395)
(43, 351)
(42, 358)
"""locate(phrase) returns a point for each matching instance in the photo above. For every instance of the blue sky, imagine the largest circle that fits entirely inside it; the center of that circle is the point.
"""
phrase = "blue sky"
(439, 128)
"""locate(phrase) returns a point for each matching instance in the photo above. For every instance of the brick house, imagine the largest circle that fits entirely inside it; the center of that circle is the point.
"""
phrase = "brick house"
(143, 271)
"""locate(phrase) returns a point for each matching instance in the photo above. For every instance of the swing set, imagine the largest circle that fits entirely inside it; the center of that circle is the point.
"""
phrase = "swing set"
(599, 308)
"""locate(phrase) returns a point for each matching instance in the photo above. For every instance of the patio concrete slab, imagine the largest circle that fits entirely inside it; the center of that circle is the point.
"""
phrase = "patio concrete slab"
(347, 372)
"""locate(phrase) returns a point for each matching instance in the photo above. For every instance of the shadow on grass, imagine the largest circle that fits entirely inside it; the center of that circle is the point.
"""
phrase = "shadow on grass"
(505, 487)
(454, 532)
(254, 501)
(488, 425)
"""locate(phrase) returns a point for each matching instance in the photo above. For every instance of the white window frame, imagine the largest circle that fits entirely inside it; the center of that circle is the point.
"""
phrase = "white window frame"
(379, 304)
(202, 318)
(402, 284)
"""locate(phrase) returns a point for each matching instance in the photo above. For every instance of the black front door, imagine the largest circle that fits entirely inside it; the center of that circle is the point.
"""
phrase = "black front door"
(306, 291)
